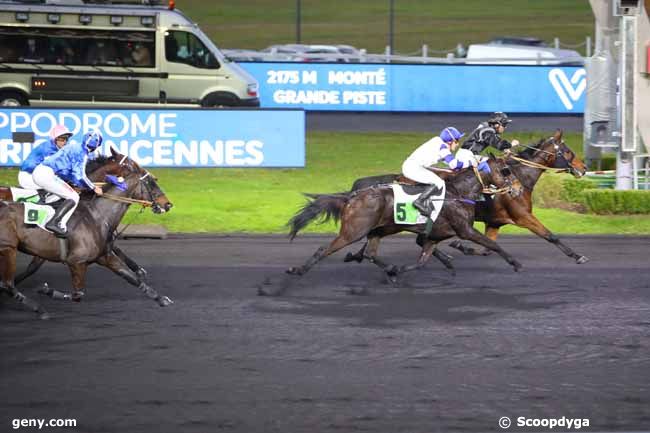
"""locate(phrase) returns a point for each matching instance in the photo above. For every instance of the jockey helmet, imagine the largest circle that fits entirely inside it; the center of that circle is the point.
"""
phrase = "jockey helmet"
(450, 134)
(92, 140)
(60, 131)
(500, 118)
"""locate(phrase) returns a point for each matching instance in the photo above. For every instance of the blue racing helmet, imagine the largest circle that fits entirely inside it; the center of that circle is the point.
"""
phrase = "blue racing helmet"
(92, 140)
(450, 134)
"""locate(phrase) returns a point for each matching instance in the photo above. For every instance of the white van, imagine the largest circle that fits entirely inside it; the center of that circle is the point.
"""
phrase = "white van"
(76, 52)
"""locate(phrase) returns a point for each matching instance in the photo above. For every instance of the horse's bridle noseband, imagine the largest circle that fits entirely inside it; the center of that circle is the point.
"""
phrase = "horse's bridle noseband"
(144, 181)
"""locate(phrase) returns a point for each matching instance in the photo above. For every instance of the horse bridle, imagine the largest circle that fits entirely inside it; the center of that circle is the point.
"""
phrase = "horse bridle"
(505, 172)
(559, 155)
(143, 181)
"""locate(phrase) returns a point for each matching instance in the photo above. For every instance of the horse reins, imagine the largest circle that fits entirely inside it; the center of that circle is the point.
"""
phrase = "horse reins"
(534, 164)
(489, 190)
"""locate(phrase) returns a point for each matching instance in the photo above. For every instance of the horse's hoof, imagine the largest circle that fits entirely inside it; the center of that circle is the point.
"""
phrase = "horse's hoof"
(486, 252)
(392, 271)
(44, 316)
(164, 301)
(517, 266)
(456, 244)
(582, 260)
(451, 271)
(77, 296)
(293, 271)
(267, 291)
(358, 291)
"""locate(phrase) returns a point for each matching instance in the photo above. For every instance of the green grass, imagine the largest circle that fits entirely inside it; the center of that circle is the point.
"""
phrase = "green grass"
(263, 200)
(441, 25)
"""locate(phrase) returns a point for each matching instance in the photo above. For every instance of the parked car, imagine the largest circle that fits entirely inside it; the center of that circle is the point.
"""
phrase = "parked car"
(310, 53)
(517, 40)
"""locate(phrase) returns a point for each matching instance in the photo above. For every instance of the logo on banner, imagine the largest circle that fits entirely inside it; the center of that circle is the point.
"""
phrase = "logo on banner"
(568, 91)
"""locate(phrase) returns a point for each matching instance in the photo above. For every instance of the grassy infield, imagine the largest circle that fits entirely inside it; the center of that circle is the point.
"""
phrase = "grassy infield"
(262, 200)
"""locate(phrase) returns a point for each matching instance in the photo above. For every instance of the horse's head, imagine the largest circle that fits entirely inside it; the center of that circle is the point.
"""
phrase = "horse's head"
(500, 175)
(557, 154)
(140, 182)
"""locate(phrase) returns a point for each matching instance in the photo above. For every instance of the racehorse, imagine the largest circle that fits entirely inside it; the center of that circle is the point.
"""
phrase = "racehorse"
(95, 173)
(90, 232)
(369, 212)
(528, 166)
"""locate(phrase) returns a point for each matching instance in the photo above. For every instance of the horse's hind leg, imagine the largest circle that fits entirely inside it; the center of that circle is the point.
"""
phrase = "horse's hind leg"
(7, 271)
(115, 264)
(344, 239)
(33, 266)
(358, 256)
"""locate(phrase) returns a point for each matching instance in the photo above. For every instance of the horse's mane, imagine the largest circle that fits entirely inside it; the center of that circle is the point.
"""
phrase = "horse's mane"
(96, 163)
(530, 151)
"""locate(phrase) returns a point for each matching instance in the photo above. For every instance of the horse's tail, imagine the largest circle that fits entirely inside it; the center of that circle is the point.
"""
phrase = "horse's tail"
(329, 204)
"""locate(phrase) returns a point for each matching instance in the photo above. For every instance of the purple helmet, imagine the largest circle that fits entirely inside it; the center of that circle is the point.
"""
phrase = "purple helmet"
(92, 140)
(450, 134)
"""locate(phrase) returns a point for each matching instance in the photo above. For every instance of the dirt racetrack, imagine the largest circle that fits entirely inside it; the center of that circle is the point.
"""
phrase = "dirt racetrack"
(439, 353)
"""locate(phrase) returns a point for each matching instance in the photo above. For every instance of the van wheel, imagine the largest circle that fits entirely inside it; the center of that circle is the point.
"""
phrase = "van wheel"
(220, 99)
(12, 99)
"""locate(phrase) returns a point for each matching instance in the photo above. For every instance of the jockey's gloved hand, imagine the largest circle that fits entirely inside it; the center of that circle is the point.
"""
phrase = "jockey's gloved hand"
(514, 142)
(483, 166)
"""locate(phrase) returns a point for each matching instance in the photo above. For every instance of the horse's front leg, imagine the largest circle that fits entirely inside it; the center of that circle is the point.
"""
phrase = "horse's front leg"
(115, 264)
(491, 232)
(7, 273)
(78, 273)
(467, 232)
(33, 266)
(135, 267)
(530, 222)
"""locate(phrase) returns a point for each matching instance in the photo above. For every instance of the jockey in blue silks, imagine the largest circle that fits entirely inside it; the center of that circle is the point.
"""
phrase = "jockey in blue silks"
(441, 148)
(69, 164)
(59, 136)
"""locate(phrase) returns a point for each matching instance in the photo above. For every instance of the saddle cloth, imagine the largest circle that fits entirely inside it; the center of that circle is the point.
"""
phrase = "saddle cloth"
(405, 213)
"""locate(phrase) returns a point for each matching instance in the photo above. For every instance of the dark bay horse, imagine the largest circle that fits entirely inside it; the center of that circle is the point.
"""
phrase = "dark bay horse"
(369, 212)
(528, 166)
(95, 173)
(90, 233)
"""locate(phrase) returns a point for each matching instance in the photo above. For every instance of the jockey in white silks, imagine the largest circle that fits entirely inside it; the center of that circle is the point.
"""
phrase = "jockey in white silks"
(441, 148)
(59, 136)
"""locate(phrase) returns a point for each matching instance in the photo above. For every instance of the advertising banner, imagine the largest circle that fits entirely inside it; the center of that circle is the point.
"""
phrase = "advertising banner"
(424, 88)
(167, 138)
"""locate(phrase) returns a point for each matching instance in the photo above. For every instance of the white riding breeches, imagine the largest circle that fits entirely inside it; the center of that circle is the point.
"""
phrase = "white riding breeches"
(25, 180)
(46, 179)
(421, 175)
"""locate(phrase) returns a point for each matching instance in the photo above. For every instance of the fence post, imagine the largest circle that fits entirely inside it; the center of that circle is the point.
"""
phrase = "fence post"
(556, 42)
(588, 43)
(425, 50)
(388, 53)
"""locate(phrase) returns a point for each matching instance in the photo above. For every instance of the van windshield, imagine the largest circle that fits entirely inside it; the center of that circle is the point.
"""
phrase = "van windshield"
(185, 47)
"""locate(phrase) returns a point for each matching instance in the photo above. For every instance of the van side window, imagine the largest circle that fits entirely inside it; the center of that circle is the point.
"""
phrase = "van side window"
(78, 47)
(184, 47)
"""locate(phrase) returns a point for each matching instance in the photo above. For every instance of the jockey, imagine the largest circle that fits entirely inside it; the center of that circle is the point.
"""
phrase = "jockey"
(488, 134)
(416, 166)
(67, 165)
(59, 136)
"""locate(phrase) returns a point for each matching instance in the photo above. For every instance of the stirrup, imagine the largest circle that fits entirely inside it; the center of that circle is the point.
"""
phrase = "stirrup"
(58, 231)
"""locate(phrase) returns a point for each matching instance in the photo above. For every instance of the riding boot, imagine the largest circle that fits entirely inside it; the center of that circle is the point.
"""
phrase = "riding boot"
(54, 225)
(420, 203)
